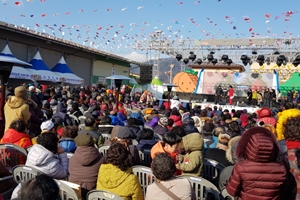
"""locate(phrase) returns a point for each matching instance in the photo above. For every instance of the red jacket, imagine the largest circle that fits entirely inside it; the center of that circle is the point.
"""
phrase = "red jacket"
(258, 175)
(177, 120)
(17, 138)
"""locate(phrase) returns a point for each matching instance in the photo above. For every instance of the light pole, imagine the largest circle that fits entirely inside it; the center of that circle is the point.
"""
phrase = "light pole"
(171, 69)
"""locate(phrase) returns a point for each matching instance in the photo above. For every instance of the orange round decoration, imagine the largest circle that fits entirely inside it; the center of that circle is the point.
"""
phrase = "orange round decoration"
(186, 82)
(176, 81)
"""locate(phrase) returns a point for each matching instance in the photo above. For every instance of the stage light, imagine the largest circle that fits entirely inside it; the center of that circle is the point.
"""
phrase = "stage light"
(214, 61)
(254, 52)
(296, 62)
(229, 62)
(280, 60)
(199, 61)
(276, 53)
(224, 58)
(192, 56)
(186, 61)
(245, 59)
(261, 60)
(178, 57)
(212, 53)
(210, 57)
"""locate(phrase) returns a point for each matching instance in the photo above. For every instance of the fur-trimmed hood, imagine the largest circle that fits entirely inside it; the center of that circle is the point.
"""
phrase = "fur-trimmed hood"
(232, 144)
(257, 144)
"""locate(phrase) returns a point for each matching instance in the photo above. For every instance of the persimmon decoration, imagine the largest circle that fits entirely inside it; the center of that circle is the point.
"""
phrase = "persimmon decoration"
(186, 81)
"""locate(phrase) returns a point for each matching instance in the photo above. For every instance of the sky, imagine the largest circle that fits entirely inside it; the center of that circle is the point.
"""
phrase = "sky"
(115, 25)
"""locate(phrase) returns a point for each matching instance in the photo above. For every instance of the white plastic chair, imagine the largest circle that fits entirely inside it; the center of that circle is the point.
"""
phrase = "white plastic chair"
(82, 119)
(102, 195)
(103, 149)
(12, 155)
(66, 192)
(23, 173)
(106, 136)
(144, 175)
(81, 127)
(203, 188)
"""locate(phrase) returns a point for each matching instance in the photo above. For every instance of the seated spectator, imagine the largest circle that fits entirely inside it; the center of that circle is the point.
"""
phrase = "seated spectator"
(90, 127)
(124, 136)
(139, 117)
(134, 127)
(105, 125)
(116, 176)
(233, 129)
(152, 123)
(154, 113)
(46, 126)
(179, 130)
(67, 140)
(230, 156)
(48, 158)
(197, 123)
(7, 184)
(114, 119)
(191, 162)
(16, 134)
(219, 153)
(204, 117)
(41, 187)
(169, 145)
(175, 115)
(189, 126)
(161, 127)
(75, 110)
(215, 138)
(84, 164)
(163, 168)
(47, 110)
(147, 140)
(265, 115)
(258, 174)
(170, 123)
(207, 134)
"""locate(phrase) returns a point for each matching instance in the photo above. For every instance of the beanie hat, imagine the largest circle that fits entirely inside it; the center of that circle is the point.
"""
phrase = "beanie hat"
(21, 92)
(224, 138)
(47, 125)
(264, 112)
(84, 139)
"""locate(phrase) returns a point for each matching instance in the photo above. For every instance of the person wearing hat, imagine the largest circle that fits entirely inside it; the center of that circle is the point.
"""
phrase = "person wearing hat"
(175, 103)
(46, 126)
(16, 107)
(84, 164)
(162, 127)
(33, 96)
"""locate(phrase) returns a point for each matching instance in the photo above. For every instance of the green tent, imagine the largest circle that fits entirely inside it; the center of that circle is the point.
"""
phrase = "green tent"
(156, 81)
(292, 84)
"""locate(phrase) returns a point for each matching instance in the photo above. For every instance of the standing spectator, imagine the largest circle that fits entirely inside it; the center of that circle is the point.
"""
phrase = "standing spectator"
(257, 174)
(163, 168)
(116, 176)
(272, 99)
(175, 102)
(266, 98)
(254, 97)
(16, 107)
(84, 164)
(16, 134)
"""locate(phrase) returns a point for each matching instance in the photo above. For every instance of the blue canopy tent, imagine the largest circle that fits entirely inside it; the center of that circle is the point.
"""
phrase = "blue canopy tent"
(38, 72)
(62, 69)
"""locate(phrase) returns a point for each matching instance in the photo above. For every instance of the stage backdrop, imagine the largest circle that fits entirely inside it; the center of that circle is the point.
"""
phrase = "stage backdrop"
(240, 81)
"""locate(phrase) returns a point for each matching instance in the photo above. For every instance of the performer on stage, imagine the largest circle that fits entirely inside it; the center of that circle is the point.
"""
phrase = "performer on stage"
(249, 96)
(230, 94)
(218, 94)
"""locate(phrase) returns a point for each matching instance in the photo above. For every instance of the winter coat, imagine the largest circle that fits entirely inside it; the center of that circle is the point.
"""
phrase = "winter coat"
(136, 131)
(282, 117)
(55, 166)
(211, 143)
(68, 144)
(115, 121)
(265, 115)
(146, 144)
(91, 130)
(257, 174)
(191, 162)
(152, 123)
(177, 120)
(83, 168)
(123, 183)
(15, 108)
(190, 129)
(179, 186)
(218, 155)
(21, 139)
(161, 130)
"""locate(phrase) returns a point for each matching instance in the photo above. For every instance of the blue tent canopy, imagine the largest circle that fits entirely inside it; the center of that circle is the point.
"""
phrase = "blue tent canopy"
(8, 57)
(38, 63)
(61, 67)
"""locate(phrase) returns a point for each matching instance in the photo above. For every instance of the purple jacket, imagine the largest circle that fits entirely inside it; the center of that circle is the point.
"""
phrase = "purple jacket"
(153, 122)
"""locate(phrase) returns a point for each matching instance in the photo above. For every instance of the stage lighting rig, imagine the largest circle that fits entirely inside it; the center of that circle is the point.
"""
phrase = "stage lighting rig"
(178, 57)
(261, 60)
(199, 61)
(192, 56)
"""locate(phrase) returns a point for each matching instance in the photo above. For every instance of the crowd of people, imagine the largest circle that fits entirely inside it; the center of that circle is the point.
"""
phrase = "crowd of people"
(259, 151)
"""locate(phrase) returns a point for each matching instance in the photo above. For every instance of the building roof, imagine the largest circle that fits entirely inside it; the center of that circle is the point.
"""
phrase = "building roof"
(53, 39)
